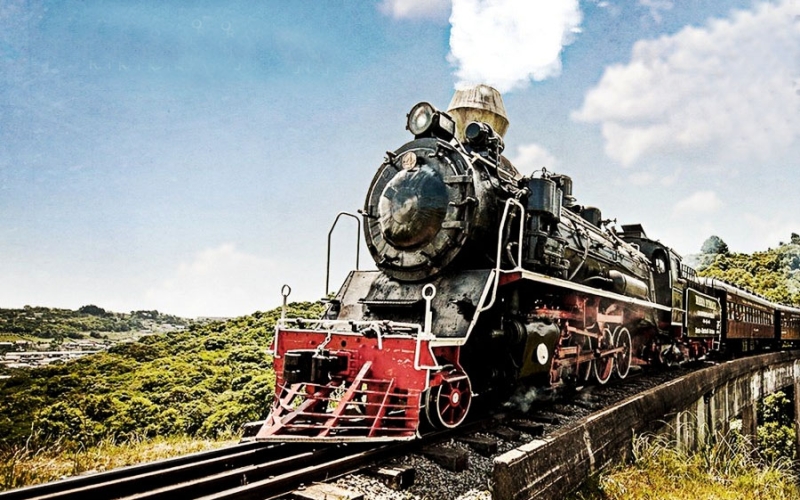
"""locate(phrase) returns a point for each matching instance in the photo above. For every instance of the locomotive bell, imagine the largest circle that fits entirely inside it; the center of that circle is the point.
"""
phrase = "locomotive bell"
(480, 103)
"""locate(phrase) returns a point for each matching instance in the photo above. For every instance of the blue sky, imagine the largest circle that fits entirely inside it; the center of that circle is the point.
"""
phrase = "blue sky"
(190, 159)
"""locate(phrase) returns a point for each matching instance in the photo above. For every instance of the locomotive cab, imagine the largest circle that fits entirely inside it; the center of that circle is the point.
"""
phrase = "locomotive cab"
(668, 285)
(693, 317)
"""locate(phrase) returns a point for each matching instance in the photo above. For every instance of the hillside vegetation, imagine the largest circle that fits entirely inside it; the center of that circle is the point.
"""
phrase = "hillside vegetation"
(51, 323)
(204, 381)
(774, 273)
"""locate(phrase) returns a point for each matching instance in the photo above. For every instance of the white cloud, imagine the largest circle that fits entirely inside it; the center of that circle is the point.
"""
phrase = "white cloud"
(416, 9)
(655, 7)
(670, 178)
(721, 93)
(530, 157)
(701, 202)
(506, 43)
(221, 281)
(649, 178)
(641, 178)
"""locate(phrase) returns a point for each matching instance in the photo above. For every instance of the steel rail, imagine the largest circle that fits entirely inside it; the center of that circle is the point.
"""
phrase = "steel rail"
(351, 459)
(272, 487)
(232, 479)
(141, 477)
(249, 470)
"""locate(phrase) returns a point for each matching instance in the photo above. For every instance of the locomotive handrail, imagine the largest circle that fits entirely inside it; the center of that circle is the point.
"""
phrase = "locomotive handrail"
(358, 247)
(286, 290)
(496, 277)
(428, 293)
(347, 328)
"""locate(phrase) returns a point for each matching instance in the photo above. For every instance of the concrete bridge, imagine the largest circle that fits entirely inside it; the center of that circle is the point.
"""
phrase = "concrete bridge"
(694, 408)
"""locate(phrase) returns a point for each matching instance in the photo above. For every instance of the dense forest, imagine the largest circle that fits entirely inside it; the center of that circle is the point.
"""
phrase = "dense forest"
(51, 323)
(203, 381)
(774, 273)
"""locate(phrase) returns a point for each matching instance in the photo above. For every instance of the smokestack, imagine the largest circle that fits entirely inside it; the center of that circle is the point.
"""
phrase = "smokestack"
(479, 103)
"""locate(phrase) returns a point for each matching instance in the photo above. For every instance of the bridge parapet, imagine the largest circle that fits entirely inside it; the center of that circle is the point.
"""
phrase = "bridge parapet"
(691, 406)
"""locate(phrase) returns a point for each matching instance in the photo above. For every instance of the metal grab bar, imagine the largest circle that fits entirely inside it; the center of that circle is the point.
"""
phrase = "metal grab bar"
(496, 277)
(286, 290)
(358, 247)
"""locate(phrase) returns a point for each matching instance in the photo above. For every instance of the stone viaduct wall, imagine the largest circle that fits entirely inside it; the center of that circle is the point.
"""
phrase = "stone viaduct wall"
(693, 407)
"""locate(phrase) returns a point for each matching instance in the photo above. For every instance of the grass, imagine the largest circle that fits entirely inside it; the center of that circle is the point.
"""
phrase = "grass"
(27, 465)
(725, 471)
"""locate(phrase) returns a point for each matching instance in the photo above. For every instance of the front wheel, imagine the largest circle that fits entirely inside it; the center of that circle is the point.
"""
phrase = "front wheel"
(450, 401)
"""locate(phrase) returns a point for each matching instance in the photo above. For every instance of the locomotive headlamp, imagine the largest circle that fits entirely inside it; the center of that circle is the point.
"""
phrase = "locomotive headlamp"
(420, 118)
(426, 121)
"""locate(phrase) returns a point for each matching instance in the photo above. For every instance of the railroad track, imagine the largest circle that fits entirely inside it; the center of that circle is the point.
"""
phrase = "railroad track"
(250, 470)
(245, 471)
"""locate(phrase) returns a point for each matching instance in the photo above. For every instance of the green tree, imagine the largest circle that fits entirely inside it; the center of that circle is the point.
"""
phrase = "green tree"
(776, 433)
(93, 310)
(715, 245)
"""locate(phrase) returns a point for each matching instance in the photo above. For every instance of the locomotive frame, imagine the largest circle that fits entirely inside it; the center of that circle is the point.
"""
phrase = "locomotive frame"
(487, 280)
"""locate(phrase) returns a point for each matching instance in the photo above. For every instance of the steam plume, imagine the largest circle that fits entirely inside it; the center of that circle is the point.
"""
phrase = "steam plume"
(506, 43)
(522, 399)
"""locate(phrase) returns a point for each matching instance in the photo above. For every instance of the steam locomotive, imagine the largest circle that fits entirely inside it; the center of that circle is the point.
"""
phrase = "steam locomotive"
(487, 279)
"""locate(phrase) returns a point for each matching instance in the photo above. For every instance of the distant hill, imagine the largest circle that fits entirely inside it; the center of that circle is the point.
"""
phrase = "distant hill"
(50, 323)
(205, 380)
(773, 273)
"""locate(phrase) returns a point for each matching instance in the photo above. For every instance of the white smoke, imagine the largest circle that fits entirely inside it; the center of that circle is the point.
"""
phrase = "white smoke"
(522, 399)
(506, 43)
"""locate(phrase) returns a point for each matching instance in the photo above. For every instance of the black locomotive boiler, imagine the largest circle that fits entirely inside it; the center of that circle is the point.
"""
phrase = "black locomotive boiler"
(485, 279)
